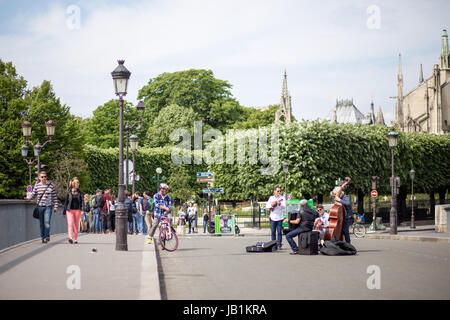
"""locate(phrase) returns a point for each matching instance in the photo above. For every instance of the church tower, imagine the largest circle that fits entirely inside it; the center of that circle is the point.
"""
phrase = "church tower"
(399, 106)
(444, 59)
(285, 111)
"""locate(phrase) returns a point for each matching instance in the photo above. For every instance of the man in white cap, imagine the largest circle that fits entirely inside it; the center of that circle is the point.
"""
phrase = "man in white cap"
(162, 205)
(305, 221)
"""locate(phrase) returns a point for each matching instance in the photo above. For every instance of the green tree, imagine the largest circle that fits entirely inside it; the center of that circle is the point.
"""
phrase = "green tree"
(13, 170)
(168, 120)
(256, 118)
(195, 89)
(179, 182)
(102, 129)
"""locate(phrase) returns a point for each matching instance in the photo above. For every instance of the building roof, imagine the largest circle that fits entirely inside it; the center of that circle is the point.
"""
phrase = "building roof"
(346, 112)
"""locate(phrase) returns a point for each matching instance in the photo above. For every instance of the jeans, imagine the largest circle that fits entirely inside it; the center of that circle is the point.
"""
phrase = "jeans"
(96, 225)
(190, 225)
(86, 216)
(141, 223)
(135, 223)
(205, 224)
(106, 221)
(45, 215)
(276, 227)
(289, 237)
(345, 228)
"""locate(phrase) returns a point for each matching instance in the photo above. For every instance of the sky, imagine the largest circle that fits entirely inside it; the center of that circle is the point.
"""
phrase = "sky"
(345, 49)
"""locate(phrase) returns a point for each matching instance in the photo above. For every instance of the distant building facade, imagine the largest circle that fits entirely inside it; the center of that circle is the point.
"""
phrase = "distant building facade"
(426, 108)
(345, 111)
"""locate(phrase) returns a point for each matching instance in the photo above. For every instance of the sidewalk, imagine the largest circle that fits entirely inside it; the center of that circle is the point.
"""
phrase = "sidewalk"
(59, 270)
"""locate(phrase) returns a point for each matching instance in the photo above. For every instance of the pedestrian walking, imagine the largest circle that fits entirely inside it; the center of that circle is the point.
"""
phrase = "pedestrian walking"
(147, 207)
(97, 205)
(190, 215)
(205, 219)
(47, 203)
(195, 219)
(87, 208)
(112, 208)
(129, 205)
(276, 205)
(181, 216)
(73, 206)
(136, 214)
(106, 213)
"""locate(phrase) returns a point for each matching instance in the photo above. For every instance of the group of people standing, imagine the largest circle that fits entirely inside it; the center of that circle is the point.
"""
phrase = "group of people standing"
(78, 206)
(306, 218)
(189, 215)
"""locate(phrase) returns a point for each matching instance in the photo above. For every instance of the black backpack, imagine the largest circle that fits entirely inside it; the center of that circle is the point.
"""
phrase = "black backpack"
(337, 248)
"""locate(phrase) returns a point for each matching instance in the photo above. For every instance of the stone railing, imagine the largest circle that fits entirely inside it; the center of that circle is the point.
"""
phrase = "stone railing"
(17, 224)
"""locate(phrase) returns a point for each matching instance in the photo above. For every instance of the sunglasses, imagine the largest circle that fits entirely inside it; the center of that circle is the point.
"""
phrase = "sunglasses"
(42, 177)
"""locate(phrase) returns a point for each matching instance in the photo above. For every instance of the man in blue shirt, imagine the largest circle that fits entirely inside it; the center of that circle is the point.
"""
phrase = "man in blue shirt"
(348, 219)
(162, 206)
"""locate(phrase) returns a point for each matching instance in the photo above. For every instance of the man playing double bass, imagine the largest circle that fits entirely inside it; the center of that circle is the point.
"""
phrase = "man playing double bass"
(345, 200)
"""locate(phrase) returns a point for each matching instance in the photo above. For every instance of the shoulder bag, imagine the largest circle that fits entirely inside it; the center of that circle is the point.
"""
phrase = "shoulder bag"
(36, 210)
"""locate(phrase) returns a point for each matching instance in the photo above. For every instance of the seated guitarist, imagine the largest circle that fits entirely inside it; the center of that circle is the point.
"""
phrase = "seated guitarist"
(345, 200)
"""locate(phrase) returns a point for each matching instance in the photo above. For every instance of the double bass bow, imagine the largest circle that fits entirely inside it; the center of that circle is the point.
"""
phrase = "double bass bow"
(336, 217)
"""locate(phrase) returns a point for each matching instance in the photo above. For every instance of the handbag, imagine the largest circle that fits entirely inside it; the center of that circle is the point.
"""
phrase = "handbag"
(36, 210)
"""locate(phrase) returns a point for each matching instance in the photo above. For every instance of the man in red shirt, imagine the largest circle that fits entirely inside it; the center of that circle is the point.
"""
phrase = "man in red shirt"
(106, 213)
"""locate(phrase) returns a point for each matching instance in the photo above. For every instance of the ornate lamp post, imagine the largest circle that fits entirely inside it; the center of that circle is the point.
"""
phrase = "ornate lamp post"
(134, 145)
(128, 127)
(156, 179)
(285, 170)
(395, 184)
(120, 77)
(26, 131)
(412, 174)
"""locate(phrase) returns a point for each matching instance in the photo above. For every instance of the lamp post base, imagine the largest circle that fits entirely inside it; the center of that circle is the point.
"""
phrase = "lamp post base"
(121, 228)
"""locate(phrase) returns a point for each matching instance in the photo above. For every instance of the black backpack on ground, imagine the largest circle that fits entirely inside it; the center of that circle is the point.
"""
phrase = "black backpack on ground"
(335, 247)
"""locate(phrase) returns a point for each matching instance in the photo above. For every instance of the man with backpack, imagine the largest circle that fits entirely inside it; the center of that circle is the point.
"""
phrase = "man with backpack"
(147, 206)
(97, 205)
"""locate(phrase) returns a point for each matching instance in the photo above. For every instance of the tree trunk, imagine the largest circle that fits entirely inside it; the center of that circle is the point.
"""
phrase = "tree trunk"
(442, 191)
(432, 203)
(360, 202)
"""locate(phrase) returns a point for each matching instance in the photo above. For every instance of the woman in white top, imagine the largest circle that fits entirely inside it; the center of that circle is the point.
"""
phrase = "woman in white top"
(276, 205)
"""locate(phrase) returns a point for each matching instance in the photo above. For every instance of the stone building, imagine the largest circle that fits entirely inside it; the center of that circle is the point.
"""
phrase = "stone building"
(345, 111)
(426, 108)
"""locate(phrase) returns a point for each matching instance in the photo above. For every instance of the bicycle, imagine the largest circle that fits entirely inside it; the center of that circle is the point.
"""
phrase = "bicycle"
(359, 230)
(167, 235)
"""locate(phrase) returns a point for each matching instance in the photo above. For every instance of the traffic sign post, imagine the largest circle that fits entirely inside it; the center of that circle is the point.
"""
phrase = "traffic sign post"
(374, 193)
(205, 174)
(217, 190)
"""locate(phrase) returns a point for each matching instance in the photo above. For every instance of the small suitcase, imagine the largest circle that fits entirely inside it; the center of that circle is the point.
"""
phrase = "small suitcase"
(313, 247)
(254, 249)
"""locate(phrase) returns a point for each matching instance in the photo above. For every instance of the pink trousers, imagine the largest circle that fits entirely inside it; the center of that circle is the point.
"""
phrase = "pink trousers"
(73, 223)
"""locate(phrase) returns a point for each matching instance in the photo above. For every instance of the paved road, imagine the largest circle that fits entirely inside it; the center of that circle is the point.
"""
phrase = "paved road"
(219, 268)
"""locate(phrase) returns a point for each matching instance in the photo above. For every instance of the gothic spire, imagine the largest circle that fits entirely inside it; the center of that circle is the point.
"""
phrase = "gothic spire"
(285, 110)
(444, 51)
(421, 74)
(380, 118)
(399, 106)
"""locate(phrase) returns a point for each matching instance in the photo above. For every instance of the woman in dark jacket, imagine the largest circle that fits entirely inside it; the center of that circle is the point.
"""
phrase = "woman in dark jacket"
(73, 207)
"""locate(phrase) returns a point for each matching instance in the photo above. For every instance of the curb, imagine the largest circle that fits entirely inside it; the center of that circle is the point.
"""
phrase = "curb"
(411, 238)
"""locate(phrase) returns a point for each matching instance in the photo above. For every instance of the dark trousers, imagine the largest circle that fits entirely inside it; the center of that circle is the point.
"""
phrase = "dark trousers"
(345, 229)
(106, 221)
(291, 235)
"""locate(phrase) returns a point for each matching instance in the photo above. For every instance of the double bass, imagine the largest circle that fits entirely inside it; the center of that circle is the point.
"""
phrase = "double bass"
(336, 217)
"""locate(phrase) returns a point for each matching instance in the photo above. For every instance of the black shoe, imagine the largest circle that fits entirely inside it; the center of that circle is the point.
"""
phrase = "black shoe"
(70, 241)
(44, 241)
(294, 252)
(47, 239)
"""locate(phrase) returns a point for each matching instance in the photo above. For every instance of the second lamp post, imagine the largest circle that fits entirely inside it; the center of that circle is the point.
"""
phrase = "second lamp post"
(395, 184)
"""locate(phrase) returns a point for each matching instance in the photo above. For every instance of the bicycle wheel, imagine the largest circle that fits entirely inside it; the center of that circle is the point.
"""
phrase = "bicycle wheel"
(359, 230)
(169, 241)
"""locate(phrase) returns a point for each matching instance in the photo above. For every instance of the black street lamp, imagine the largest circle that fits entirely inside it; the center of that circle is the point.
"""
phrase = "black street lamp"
(128, 128)
(26, 131)
(134, 146)
(120, 77)
(395, 184)
(156, 179)
(285, 170)
(412, 174)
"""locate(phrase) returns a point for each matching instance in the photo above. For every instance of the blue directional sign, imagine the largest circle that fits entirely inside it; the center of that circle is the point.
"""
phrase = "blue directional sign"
(205, 174)
(218, 190)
